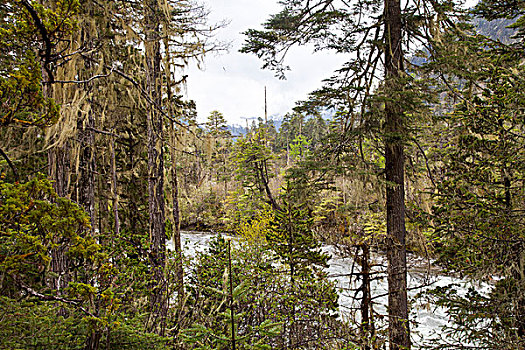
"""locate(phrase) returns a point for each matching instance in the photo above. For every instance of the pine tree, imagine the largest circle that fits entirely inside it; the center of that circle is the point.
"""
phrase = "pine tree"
(254, 168)
(377, 32)
(477, 220)
(293, 241)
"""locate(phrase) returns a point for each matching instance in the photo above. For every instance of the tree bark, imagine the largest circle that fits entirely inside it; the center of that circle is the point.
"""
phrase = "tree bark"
(263, 172)
(157, 229)
(85, 184)
(179, 271)
(365, 298)
(114, 193)
(399, 330)
(59, 168)
(58, 171)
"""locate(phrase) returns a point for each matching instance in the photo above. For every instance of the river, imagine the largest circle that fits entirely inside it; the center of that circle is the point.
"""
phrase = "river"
(427, 319)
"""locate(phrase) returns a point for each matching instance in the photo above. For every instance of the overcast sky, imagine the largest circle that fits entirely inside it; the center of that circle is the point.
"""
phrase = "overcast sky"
(233, 83)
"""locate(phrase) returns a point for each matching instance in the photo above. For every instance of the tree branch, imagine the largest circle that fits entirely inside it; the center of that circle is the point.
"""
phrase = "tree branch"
(44, 297)
(48, 45)
(11, 165)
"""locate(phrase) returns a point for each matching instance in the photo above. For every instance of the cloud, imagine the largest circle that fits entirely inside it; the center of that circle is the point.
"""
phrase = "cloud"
(233, 83)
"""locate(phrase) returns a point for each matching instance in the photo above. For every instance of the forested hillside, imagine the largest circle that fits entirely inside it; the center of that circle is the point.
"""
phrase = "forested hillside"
(103, 162)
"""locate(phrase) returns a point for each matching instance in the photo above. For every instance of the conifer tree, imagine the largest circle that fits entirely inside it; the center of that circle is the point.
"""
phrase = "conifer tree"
(88, 57)
(375, 32)
(254, 167)
(477, 216)
(292, 239)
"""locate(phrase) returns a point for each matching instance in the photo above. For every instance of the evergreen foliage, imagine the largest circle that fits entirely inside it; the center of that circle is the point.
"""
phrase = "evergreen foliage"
(477, 213)
(292, 240)
(31, 34)
(264, 300)
(90, 91)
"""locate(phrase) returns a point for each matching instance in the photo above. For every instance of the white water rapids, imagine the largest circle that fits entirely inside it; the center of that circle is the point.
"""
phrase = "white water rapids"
(427, 319)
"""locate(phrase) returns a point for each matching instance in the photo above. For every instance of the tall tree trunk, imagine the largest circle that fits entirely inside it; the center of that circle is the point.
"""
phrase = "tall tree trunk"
(157, 229)
(58, 171)
(366, 326)
(114, 193)
(59, 168)
(263, 173)
(179, 272)
(93, 340)
(399, 332)
(85, 185)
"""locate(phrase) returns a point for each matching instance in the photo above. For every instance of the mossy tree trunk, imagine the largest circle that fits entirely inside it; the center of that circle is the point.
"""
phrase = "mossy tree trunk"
(177, 245)
(157, 225)
(399, 332)
(58, 171)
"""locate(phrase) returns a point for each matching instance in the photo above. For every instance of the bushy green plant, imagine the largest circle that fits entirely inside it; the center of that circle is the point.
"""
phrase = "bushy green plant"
(33, 222)
(265, 298)
(92, 308)
(293, 241)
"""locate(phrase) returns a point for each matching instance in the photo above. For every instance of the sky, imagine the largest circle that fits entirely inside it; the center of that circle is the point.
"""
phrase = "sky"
(233, 83)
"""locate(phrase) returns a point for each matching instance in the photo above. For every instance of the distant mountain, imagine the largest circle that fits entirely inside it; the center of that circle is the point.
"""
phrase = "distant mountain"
(496, 29)
(236, 130)
(277, 120)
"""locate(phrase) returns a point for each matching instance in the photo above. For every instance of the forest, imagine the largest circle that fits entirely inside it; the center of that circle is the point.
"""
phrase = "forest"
(407, 163)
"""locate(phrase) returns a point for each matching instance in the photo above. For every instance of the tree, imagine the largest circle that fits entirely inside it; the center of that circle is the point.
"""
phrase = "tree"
(376, 32)
(293, 241)
(478, 221)
(220, 138)
(32, 35)
(33, 221)
(94, 59)
(155, 123)
(216, 124)
(399, 331)
(35, 224)
(264, 299)
(173, 32)
(252, 157)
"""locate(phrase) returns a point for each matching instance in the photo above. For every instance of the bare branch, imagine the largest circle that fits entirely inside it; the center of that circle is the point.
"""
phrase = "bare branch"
(44, 297)
(11, 165)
